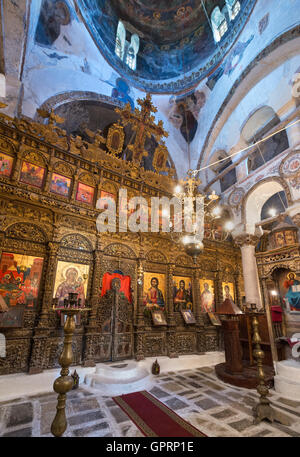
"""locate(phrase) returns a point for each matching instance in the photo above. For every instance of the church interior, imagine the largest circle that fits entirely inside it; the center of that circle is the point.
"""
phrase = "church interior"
(149, 218)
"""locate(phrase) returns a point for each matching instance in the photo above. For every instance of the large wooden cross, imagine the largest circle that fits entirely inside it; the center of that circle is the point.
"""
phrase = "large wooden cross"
(143, 123)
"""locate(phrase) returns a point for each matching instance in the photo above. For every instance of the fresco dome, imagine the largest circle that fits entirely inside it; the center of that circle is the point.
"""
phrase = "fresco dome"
(176, 43)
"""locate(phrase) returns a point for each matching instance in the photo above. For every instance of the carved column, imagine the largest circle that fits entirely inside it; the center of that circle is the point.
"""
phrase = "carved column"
(296, 219)
(75, 182)
(48, 179)
(237, 289)
(91, 328)
(38, 355)
(140, 324)
(200, 332)
(171, 332)
(17, 167)
(218, 289)
(247, 244)
(2, 237)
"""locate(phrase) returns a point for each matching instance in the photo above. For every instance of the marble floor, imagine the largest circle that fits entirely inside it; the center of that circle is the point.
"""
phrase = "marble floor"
(217, 409)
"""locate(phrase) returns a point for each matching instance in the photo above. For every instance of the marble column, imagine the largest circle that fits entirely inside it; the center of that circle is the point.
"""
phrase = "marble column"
(247, 244)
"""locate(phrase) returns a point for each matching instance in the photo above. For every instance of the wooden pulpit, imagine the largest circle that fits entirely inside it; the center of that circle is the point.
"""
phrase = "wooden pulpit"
(233, 350)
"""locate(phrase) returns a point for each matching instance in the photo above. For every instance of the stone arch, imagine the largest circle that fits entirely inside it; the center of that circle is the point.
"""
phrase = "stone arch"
(76, 241)
(254, 200)
(66, 97)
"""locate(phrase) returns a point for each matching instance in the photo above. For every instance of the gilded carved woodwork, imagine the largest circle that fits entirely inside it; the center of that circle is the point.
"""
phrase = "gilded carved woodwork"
(287, 257)
(27, 232)
(115, 139)
(185, 343)
(36, 222)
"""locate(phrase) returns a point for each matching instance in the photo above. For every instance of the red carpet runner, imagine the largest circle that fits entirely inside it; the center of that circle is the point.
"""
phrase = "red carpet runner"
(153, 418)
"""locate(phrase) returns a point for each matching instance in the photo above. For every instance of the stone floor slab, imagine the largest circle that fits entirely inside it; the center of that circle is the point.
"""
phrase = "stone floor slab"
(20, 414)
(206, 403)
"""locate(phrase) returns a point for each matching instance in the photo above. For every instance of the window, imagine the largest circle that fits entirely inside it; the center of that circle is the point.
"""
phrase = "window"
(257, 126)
(126, 51)
(229, 178)
(233, 7)
(219, 24)
(120, 40)
(132, 52)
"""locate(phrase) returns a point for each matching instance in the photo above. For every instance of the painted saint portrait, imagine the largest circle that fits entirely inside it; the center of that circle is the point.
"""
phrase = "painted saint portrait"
(207, 296)
(32, 174)
(182, 293)
(20, 277)
(71, 278)
(6, 164)
(107, 195)
(154, 290)
(85, 193)
(292, 297)
(228, 291)
(60, 184)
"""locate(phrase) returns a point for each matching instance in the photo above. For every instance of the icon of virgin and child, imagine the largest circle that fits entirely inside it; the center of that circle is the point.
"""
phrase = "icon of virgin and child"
(73, 283)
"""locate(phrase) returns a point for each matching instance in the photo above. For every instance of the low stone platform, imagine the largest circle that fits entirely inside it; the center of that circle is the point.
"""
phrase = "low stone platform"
(120, 378)
(287, 379)
(247, 379)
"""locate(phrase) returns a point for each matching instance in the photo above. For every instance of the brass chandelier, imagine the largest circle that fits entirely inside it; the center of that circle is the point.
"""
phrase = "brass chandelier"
(198, 208)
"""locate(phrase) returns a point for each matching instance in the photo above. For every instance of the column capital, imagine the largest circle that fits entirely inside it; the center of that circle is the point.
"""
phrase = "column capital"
(296, 219)
(53, 247)
(246, 240)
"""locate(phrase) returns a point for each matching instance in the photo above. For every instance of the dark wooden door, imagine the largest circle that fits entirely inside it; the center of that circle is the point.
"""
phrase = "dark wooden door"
(115, 318)
(122, 325)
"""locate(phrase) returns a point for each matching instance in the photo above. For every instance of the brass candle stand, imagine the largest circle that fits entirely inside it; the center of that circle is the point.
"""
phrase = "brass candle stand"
(64, 382)
(262, 410)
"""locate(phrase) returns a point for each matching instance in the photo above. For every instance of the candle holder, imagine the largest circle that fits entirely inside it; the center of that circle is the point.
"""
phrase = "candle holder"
(263, 410)
(64, 383)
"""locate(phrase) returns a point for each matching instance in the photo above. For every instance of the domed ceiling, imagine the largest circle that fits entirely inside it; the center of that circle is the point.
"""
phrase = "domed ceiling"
(177, 47)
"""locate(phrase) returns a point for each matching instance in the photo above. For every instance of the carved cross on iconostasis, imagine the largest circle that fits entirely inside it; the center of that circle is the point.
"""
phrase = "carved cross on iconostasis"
(143, 123)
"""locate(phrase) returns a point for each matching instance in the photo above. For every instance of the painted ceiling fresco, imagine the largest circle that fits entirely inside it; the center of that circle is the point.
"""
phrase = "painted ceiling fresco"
(177, 48)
